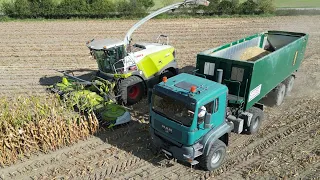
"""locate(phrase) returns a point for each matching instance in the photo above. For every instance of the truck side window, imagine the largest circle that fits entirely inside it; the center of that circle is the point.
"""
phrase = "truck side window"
(207, 108)
(216, 105)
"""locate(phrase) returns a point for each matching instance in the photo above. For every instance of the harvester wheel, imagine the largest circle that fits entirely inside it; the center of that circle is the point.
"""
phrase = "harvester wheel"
(289, 85)
(278, 94)
(255, 121)
(215, 157)
(131, 90)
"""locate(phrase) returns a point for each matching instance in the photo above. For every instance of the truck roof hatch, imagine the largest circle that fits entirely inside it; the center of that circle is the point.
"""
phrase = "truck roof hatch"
(184, 85)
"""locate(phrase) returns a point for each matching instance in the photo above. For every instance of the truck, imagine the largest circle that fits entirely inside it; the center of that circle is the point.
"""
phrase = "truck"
(192, 114)
(134, 67)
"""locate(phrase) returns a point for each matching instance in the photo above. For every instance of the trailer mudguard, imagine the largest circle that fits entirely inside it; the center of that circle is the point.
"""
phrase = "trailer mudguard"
(214, 134)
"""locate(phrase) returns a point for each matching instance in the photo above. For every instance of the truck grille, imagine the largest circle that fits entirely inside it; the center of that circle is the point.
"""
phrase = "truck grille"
(167, 130)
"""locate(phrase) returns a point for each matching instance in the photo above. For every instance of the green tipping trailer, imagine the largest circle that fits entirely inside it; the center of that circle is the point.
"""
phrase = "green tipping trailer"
(249, 81)
(192, 116)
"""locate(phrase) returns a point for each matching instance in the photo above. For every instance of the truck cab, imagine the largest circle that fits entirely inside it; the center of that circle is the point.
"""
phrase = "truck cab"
(188, 120)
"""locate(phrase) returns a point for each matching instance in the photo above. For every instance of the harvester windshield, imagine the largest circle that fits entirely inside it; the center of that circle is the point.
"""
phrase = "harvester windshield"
(173, 109)
(107, 60)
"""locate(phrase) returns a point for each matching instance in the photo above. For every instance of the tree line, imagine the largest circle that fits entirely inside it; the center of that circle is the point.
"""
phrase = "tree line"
(123, 8)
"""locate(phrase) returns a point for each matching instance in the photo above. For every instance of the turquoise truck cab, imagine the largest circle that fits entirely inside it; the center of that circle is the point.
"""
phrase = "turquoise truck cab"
(187, 116)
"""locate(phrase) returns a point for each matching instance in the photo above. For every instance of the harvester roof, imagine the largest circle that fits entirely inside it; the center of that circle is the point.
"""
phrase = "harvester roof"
(101, 43)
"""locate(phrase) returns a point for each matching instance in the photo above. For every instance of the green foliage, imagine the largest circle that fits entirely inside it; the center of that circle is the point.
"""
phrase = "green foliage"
(75, 8)
(166, 2)
(102, 8)
(212, 8)
(125, 8)
(226, 7)
(72, 8)
(266, 6)
(146, 3)
(248, 7)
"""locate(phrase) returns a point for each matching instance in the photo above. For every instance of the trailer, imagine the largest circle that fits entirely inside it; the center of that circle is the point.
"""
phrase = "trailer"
(249, 81)
(192, 115)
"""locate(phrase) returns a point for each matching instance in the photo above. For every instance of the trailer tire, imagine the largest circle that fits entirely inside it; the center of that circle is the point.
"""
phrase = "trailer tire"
(131, 90)
(289, 82)
(215, 157)
(255, 121)
(277, 95)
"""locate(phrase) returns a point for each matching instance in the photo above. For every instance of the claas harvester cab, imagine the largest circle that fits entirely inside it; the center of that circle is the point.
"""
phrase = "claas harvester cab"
(135, 67)
(192, 115)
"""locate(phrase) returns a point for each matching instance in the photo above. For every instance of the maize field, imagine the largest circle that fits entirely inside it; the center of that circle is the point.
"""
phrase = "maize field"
(32, 124)
(286, 146)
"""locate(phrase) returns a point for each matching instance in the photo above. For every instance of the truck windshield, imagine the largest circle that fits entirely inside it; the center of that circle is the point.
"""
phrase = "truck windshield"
(173, 109)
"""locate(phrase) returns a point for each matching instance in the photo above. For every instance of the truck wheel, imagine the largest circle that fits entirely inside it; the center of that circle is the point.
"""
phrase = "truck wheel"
(289, 85)
(215, 157)
(131, 90)
(255, 121)
(278, 95)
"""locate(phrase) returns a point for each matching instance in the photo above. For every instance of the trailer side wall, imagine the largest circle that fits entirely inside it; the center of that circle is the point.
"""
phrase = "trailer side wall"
(271, 70)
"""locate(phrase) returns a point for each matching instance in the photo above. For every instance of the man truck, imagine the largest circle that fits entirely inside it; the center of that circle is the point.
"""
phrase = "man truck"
(230, 91)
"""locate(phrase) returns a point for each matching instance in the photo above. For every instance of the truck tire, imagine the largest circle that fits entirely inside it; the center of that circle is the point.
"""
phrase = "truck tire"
(255, 121)
(215, 157)
(289, 85)
(277, 95)
(131, 90)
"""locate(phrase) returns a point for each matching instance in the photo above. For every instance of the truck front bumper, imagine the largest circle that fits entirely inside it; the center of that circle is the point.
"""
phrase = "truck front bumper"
(177, 151)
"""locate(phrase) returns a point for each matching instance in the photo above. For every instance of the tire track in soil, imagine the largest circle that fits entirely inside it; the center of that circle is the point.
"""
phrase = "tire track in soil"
(269, 124)
(266, 150)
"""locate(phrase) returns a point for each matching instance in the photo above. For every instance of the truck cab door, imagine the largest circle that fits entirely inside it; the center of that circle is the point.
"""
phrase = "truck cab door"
(218, 111)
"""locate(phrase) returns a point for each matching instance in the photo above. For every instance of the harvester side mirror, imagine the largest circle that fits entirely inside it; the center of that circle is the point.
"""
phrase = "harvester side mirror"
(207, 121)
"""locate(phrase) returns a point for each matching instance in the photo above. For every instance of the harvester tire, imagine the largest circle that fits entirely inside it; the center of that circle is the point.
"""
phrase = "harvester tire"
(131, 90)
(277, 95)
(215, 157)
(289, 85)
(255, 121)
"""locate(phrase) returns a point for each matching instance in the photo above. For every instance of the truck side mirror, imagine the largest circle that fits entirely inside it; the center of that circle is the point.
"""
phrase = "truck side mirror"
(207, 121)
(149, 95)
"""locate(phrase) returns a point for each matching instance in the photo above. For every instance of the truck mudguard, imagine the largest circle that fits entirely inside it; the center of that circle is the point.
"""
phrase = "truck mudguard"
(214, 134)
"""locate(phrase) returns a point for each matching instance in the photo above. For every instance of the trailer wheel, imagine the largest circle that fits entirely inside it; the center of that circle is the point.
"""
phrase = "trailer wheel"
(215, 157)
(131, 90)
(255, 121)
(289, 85)
(278, 95)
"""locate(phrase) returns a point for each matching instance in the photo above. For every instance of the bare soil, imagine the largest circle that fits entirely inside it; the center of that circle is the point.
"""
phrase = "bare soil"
(286, 147)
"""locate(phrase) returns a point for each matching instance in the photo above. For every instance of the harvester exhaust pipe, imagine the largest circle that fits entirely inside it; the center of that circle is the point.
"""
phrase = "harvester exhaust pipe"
(219, 75)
